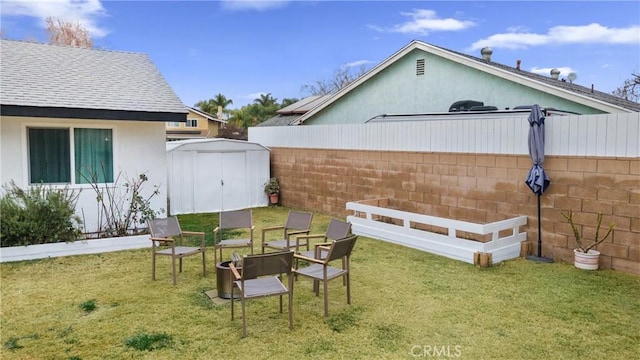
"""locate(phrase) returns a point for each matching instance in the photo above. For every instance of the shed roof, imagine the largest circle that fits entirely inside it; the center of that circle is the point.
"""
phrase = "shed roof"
(214, 145)
(38, 75)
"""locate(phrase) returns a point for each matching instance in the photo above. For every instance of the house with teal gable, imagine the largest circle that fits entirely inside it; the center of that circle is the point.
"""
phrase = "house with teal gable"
(423, 79)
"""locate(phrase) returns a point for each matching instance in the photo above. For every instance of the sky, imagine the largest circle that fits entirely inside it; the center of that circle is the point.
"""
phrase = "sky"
(243, 49)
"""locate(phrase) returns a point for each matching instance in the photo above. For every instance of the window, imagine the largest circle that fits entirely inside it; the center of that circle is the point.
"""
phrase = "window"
(174, 124)
(192, 123)
(51, 157)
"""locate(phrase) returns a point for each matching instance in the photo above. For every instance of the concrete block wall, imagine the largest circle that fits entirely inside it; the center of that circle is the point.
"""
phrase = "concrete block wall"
(476, 187)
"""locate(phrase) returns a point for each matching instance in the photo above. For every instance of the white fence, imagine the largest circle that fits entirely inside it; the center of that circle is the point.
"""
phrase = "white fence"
(366, 221)
(615, 135)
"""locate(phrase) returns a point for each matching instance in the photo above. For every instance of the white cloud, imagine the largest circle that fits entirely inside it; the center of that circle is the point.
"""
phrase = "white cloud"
(423, 22)
(357, 63)
(259, 5)
(85, 12)
(585, 34)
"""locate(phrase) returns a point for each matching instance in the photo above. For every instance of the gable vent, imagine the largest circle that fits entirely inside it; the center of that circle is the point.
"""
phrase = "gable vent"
(420, 67)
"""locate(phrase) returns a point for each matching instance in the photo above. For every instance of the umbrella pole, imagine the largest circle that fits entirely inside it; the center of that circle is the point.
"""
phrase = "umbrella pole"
(539, 230)
(539, 258)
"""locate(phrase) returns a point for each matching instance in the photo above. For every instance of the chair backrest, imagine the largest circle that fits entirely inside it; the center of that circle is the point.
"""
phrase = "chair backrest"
(275, 263)
(338, 229)
(236, 219)
(341, 248)
(298, 220)
(161, 228)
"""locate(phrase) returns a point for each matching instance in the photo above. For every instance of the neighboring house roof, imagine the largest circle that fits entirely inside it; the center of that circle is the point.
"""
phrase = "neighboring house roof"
(44, 80)
(206, 115)
(290, 114)
(573, 92)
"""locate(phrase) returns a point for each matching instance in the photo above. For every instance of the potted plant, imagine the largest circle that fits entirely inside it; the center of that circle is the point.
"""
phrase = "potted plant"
(272, 189)
(585, 257)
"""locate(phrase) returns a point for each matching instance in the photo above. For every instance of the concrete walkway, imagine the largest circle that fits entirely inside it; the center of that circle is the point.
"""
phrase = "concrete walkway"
(81, 247)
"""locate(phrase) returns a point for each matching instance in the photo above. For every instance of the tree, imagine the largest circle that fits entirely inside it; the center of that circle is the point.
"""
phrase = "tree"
(288, 101)
(630, 88)
(211, 106)
(68, 33)
(266, 100)
(342, 77)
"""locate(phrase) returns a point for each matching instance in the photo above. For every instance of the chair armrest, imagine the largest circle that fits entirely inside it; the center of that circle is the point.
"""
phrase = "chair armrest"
(270, 228)
(216, 229)
(325, 246)
(314, 236)
(302, 257)
(234, 271)
(167, 239)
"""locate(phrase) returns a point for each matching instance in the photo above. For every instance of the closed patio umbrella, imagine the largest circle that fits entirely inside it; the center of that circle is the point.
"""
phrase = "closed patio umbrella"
(537, 178)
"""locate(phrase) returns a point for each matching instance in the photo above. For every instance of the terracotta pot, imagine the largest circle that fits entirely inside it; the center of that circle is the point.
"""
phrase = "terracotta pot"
(273, 199)
(586, 261)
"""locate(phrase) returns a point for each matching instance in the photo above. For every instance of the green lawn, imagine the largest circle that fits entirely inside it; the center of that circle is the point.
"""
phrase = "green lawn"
(406, 304)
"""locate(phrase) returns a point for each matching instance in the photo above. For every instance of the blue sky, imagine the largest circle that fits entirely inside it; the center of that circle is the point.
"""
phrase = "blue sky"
(246, 48)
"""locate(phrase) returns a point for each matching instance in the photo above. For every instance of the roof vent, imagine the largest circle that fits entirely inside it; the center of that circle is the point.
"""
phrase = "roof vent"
(486, 53)
(420, 67)
(555, 73)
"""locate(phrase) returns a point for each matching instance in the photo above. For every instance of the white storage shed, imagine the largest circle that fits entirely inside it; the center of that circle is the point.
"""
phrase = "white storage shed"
(211, 175)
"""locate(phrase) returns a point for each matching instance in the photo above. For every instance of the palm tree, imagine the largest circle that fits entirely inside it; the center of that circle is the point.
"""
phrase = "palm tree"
(211, 106)
(266, 100)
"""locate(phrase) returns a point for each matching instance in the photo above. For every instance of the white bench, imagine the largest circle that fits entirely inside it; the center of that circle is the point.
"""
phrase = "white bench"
(423, 232)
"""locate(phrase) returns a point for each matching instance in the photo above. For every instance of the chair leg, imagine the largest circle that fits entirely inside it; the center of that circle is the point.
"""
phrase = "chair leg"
(290, 303)
(326, 298)
(153, 267)
(348, 280)
(215, 256)
(173, 268)
(244, 317)
(180, 265)
(204, 265)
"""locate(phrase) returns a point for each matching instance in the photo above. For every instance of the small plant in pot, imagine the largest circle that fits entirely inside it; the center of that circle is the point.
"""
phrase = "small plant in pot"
(585, 257)
(272, 189)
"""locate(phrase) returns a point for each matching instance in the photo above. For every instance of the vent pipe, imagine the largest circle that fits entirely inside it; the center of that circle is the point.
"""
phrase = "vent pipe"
(486, 53)
(518, 64)
(555, 73)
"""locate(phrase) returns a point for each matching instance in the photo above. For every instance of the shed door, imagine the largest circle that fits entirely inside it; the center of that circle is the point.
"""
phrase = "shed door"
(220, 182)
(235, 192)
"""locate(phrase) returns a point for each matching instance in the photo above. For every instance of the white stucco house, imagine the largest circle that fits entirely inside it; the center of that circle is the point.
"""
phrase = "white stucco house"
(68, 110)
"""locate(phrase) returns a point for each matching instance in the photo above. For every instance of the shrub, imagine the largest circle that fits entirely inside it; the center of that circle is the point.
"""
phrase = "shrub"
(41, 214)
(123, 208)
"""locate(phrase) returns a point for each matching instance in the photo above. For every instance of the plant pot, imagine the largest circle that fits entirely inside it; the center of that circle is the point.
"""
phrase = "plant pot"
(586, 261)
(273, 199)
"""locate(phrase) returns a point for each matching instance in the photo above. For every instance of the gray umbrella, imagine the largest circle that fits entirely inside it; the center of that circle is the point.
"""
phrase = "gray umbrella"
(537, 178)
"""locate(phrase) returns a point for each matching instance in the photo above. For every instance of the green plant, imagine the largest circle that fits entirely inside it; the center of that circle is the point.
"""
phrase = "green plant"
(88, 305)
(578, 235)
(272, 186)
(123, 208)
(148, 342)
(41, 214)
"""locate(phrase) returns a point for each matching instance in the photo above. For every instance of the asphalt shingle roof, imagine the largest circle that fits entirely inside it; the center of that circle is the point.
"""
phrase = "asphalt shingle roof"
(44, 75)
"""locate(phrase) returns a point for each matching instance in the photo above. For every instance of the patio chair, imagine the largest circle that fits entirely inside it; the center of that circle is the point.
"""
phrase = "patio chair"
(261, 276)
(298, 223)
(320, 270)
(336, 230)
(233, 220)
(167, 240)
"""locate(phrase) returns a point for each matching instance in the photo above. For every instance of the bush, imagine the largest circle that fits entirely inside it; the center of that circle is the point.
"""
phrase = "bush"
(38, 215)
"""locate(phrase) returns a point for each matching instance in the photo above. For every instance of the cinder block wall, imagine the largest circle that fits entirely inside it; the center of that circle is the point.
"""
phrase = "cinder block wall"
(477, 188)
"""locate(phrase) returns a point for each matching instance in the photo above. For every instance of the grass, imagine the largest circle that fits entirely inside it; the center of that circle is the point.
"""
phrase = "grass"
(406, 304)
